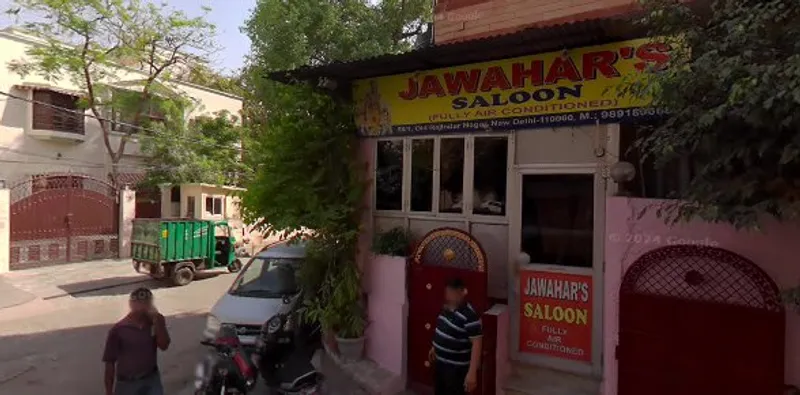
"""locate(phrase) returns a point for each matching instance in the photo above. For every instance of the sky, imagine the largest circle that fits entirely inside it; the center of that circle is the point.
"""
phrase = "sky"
(227, 15)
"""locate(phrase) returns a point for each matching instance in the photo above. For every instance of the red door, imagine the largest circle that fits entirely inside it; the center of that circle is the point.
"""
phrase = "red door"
(428, 276)
(699, 321)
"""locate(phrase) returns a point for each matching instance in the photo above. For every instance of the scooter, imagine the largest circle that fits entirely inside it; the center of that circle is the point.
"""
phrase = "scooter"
(284, 351)
(228, 370)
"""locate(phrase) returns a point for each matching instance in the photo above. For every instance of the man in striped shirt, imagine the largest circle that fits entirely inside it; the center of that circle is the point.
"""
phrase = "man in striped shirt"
(456, 343)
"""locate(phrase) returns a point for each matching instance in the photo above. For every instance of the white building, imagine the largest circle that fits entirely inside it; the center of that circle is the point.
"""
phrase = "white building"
(56, 164)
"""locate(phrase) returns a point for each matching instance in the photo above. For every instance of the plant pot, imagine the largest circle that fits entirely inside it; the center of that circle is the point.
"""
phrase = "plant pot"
(350, 350)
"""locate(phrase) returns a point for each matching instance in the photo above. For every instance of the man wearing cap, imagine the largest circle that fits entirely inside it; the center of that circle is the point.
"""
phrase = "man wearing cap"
(130, 355)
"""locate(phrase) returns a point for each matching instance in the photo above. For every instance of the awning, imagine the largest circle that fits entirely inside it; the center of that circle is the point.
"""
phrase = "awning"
(525, 42)
(33, 85)
(130, 179)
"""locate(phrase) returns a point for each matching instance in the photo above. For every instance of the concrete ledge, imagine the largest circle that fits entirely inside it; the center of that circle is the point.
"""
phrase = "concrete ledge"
(366, 374)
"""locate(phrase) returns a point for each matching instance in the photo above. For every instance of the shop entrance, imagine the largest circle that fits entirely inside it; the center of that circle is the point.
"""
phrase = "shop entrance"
(698, 320)
(557, 308)
(442, 254)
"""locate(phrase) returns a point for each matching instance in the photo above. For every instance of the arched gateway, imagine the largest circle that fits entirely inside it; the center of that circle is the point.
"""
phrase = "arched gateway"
(441, 254)
(698, 320)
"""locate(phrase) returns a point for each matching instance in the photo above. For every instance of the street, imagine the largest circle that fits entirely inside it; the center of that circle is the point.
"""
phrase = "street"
(53, 346)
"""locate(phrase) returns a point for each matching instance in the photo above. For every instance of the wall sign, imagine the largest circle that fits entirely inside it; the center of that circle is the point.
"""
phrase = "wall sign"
(570, 87)
(556, 315)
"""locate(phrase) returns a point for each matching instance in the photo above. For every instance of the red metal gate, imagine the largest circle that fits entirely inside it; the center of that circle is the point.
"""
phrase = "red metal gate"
(697, 321)
(61, 218)
(442, 254)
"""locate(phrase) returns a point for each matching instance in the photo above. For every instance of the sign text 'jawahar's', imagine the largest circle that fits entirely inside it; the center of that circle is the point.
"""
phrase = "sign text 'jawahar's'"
(575, 86)
(556, 315)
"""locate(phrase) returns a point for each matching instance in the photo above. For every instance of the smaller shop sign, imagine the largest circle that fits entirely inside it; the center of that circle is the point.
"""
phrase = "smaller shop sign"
(556, 315)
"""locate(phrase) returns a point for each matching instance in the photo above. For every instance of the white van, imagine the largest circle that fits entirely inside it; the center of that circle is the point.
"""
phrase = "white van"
(266, 286)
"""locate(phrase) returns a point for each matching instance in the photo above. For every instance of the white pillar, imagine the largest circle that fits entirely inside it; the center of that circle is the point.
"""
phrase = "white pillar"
(5, 228)
(127, 212)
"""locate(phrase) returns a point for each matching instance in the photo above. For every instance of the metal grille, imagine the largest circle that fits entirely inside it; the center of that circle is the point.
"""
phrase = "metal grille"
(62, 217)
(702, 273)
(450, 247)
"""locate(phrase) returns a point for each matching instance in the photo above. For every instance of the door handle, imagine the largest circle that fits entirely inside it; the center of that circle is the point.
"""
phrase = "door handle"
(428, 286)
(427, 364)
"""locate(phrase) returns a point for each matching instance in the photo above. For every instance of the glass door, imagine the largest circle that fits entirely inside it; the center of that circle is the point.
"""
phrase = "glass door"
(558, 219)
(557, 298)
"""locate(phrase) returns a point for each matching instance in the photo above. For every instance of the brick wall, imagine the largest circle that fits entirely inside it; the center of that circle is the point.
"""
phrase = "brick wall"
(457, 20)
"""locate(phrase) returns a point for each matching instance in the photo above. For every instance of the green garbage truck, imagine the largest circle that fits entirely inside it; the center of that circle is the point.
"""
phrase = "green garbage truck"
(176, 249)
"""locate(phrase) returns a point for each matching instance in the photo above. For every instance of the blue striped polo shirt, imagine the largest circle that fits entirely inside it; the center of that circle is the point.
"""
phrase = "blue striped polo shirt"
(455, 329)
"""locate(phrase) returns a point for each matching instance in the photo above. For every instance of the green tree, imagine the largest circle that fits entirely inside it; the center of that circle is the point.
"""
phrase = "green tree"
(303, 145)
(733, 95)
(85, 41)
(204, 75)
(207, 149)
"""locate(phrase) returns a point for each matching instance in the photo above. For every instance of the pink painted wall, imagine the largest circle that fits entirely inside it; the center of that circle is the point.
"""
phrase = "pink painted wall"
(387, 308)
(628, 237)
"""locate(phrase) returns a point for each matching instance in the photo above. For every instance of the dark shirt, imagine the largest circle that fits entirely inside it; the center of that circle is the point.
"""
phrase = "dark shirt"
(455, 329)
(132, 348)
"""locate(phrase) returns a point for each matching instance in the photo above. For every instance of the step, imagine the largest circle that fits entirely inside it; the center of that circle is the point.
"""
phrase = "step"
(532, 380)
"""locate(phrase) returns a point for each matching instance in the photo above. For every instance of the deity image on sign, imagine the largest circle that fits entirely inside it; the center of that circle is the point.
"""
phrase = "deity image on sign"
(372, 114)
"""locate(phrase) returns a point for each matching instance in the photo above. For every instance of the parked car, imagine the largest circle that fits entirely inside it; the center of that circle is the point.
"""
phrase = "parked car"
(178, 248)
(266, 286)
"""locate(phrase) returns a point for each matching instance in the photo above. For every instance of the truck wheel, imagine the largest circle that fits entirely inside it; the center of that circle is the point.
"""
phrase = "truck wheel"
(235, 266)
(182, 275)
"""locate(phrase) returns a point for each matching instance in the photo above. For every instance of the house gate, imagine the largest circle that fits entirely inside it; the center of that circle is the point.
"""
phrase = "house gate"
(61, 218)
(699, 320)
(442, 254)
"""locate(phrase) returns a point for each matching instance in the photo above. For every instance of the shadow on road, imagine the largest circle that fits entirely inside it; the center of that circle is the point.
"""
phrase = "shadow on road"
(113, 285)
(68, 361)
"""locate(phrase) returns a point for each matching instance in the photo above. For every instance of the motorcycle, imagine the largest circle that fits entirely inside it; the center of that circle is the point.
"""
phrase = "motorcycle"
(284, 351)
(229, 369)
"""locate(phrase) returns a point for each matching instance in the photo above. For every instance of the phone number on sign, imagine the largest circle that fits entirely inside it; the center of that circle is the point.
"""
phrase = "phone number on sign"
(644, 238)
(631, 113)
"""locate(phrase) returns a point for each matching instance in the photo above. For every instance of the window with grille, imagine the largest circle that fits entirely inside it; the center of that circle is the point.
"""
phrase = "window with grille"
(58, 112)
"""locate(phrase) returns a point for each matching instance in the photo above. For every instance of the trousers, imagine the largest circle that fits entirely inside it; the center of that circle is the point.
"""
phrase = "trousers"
(449, 379)
(148, 385)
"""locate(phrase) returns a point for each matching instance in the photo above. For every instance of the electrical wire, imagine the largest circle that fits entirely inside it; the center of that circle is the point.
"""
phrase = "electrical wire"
(113, 122)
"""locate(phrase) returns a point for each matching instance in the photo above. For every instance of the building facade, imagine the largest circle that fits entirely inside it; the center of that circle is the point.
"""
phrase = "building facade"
(460, 20)
(55, 163)
(506, 147)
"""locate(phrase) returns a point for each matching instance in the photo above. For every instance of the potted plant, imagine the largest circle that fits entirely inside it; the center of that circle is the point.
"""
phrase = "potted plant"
(337, 303)
(348, 314)
(394, 242)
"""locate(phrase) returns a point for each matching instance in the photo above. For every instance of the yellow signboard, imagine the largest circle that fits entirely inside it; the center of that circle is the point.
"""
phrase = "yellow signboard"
(568, 87)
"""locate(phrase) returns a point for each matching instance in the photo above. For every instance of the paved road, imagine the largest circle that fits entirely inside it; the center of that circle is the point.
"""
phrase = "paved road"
(53, 345)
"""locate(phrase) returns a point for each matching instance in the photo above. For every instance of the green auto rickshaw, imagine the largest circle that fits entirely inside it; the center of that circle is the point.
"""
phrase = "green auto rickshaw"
(177, 249)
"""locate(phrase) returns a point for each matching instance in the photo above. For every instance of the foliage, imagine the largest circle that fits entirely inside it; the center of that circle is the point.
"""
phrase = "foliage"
(394, 242)
(85, 41)
(732, 92)
(302, 144)
(204, 150)
(287, 35)
(337, 303)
